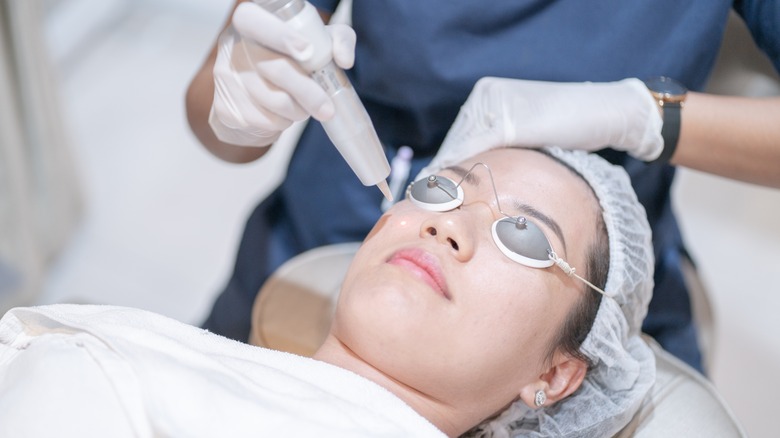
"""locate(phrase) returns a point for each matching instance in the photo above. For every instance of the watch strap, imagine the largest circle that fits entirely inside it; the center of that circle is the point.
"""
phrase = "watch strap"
(670, 131)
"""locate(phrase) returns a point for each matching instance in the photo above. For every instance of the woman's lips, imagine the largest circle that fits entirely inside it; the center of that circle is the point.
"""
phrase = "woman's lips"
(424, 266)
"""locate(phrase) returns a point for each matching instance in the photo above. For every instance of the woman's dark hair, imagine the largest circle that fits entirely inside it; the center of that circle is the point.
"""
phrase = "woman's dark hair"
(581, 317)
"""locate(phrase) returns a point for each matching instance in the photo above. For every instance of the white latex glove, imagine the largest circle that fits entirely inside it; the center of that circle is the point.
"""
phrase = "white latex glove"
(580, 115)
(259, 88)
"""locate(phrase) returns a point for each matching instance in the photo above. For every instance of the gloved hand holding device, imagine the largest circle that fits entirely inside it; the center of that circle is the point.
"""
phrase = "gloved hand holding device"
(500, 112)
(260, 88)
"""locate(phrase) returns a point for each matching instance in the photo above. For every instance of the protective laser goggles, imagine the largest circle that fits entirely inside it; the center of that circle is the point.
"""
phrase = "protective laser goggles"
(517, 237)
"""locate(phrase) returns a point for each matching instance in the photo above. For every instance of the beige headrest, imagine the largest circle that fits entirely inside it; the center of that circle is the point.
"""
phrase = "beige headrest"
(295, 306)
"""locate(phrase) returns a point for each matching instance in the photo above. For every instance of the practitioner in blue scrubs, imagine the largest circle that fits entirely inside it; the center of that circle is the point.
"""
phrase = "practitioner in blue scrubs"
(416, 63)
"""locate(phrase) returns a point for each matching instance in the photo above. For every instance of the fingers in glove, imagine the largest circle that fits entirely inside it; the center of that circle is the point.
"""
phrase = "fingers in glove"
(235, 107)
(278, 83)
(267, 95)
(344, 39)
(257, 24)
(306, 92)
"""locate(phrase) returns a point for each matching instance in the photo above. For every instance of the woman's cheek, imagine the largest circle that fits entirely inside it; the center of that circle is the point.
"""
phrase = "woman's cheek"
(380, 224)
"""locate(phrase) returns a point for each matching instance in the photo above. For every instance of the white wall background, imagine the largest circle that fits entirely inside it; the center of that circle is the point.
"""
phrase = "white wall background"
(164, 218)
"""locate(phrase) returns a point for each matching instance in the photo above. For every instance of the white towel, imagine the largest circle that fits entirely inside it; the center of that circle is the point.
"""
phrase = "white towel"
(78, 370)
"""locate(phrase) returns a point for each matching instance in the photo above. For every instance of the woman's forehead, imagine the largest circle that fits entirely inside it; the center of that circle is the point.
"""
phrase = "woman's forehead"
(529, 172)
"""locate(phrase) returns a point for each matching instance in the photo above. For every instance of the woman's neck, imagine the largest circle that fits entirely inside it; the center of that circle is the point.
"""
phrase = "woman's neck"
(441, 414)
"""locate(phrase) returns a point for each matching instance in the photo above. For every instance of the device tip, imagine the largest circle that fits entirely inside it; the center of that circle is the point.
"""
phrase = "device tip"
(383, 187)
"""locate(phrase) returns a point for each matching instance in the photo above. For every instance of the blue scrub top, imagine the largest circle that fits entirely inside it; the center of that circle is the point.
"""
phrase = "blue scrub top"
(416, 63)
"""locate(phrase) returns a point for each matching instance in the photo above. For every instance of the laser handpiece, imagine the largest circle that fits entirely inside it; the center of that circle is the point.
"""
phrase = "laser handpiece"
(350, 129)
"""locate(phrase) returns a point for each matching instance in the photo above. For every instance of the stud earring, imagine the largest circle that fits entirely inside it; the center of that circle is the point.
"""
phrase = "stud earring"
(540, 398)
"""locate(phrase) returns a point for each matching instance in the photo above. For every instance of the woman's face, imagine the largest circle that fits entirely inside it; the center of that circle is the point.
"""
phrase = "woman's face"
(432, 302)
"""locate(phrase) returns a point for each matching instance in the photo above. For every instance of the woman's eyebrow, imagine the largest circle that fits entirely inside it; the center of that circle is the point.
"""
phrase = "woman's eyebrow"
(461, 172)
(522, 207)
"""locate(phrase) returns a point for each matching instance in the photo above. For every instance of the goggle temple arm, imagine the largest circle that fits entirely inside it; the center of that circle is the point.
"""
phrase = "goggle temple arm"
(571, 272)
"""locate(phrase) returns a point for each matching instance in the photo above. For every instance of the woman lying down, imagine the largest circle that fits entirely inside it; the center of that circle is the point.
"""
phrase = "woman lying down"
(461, 313)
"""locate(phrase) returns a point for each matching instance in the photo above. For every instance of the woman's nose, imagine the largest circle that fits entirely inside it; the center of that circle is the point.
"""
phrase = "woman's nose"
(455, 228)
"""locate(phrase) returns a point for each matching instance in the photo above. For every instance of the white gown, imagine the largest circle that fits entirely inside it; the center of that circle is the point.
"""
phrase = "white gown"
(99, 371)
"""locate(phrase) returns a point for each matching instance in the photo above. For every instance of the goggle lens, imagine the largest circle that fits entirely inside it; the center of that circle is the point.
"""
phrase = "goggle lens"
(522, 241)
(435, 193)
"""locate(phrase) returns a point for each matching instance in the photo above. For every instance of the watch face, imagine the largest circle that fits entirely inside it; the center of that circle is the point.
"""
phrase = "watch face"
(666, 86)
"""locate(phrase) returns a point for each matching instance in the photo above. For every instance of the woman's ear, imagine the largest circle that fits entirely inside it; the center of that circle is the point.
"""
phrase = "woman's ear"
(558, 382)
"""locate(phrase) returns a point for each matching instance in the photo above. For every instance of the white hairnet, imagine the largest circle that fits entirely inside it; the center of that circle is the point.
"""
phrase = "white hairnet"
(624, 366)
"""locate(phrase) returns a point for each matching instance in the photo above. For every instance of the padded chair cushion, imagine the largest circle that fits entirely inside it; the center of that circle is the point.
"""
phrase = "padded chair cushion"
(294, 308)
(682, 403)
